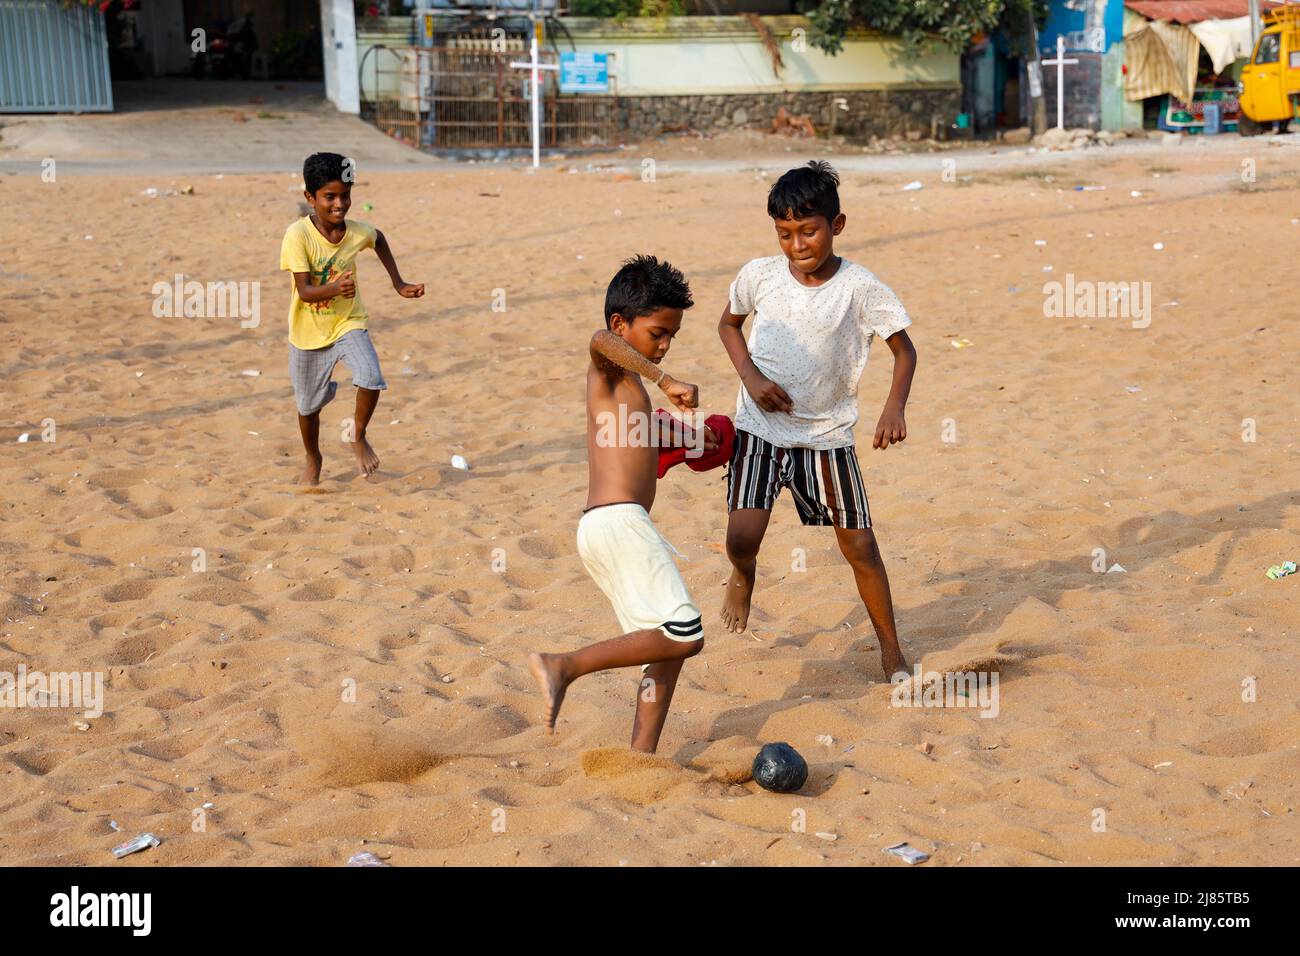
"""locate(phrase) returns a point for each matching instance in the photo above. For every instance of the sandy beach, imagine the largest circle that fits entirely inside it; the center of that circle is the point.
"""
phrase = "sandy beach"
(347, 670)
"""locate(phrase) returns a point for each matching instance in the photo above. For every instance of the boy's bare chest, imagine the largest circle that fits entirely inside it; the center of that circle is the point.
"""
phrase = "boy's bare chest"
(622, 410)
(628, 392)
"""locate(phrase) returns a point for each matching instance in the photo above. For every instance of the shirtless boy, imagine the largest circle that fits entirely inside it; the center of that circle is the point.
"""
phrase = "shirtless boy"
(621, 548)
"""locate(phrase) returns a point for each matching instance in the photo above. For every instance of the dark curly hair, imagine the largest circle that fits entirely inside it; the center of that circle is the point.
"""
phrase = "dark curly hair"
(643, 285)
(804, 192)
(321, 168)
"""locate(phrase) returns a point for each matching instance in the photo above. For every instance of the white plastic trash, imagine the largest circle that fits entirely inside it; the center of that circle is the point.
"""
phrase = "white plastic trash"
(458, 461)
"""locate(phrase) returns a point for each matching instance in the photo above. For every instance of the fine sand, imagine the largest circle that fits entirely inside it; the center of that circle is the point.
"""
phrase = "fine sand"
(1122, 736)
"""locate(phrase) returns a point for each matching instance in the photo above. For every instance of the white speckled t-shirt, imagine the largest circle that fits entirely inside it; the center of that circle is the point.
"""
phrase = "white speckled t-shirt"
(813, 341)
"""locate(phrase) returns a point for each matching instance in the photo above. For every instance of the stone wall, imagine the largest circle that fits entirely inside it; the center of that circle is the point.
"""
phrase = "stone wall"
(890, 112)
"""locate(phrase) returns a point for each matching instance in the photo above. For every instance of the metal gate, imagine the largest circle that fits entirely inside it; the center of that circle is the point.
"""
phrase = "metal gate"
(469, 97)
(53, 59)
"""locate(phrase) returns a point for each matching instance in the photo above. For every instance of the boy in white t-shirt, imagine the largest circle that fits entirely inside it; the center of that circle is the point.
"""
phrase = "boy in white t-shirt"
(815, 316)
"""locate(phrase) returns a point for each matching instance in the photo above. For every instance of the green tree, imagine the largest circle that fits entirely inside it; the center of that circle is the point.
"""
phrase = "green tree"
(954, 22)
(620, 9)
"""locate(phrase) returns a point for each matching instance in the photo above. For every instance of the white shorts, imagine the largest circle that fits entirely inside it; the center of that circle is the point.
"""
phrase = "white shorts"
(632, 563)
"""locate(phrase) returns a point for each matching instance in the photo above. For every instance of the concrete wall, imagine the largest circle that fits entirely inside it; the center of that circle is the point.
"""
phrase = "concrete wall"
(1094, 88)
(725, 55)
(711, 72)
(339, 48)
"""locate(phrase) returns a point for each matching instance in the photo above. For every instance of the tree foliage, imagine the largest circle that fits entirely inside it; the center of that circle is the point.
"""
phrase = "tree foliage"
(954, 22)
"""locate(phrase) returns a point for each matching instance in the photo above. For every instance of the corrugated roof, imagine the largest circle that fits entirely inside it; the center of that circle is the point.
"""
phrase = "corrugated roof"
(1194, 11)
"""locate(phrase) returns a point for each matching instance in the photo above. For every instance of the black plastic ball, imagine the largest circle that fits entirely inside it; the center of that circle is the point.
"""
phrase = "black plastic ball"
(779, 768)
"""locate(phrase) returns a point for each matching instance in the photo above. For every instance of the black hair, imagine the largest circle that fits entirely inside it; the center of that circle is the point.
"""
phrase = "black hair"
(643, 285)
(321, 168)
(805, 192)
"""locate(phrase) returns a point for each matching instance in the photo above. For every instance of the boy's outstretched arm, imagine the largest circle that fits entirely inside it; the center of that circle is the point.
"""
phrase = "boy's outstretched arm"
(891, 427)
(612, 349)
(770, 396)
(407, 290)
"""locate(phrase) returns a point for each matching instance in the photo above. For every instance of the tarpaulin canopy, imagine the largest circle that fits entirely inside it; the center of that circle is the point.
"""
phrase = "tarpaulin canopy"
(1194, 11)
(1160, 58)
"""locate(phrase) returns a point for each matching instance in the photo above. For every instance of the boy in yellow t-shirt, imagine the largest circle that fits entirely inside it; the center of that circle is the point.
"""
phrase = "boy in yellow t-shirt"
(327, 320)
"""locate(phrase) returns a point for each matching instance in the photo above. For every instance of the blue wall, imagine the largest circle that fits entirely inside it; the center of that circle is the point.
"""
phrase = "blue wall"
(1062, 20)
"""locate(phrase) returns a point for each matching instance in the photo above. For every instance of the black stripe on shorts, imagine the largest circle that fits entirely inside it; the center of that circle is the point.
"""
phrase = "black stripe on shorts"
(685, 628)
(826, 483)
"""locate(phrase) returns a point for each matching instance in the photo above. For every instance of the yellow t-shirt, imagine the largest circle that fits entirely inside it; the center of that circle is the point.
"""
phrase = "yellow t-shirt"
(314, 325)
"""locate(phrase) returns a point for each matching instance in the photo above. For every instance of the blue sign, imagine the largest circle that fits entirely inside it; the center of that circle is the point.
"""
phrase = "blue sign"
(584, 73)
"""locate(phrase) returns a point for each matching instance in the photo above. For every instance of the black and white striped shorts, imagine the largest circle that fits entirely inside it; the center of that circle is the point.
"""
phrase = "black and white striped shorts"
(826, 483)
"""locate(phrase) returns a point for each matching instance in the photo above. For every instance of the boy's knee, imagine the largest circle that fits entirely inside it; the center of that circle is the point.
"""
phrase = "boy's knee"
(693, 648)
(742, 545)
(860, 548)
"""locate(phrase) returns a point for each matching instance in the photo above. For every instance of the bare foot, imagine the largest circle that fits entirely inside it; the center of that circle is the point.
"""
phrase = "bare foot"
(735, 606)
(367, 460)
(549, 671)
(893, 663)
(311, 472)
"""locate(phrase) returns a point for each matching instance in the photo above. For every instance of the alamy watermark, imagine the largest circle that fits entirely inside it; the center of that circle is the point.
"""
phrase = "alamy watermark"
(40, 689)
(977, 689)
(209, 300)
(637, 429)
(1086, 299)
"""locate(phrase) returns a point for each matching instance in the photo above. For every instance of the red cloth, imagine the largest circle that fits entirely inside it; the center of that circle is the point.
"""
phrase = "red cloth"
(722, 427)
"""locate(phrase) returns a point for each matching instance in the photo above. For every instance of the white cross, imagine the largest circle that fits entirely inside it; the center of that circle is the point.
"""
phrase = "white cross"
(534, 66)
(1060, 63)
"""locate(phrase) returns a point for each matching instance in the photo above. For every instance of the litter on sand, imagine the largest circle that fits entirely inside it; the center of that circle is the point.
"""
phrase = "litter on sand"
(962, 343)
(1281, 570)
(250, 372)
(365, 858)
(1087, 189)
(914, 185)
(24, 438)
(1116, 568)
(142, 842)
(907, 853)
(459, 462)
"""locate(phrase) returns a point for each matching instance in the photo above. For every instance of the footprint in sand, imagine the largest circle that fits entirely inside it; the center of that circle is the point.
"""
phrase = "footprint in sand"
(315, 591)
(128, 591)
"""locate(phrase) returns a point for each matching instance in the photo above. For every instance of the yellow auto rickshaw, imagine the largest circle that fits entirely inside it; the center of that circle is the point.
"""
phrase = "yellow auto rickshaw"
(1269, 88)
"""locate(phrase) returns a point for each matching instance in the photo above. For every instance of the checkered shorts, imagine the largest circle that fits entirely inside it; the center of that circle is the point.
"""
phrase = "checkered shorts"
(826, 483)
(310, 369)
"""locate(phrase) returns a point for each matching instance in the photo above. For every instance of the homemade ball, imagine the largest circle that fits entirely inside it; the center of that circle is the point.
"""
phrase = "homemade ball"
(779, 768)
